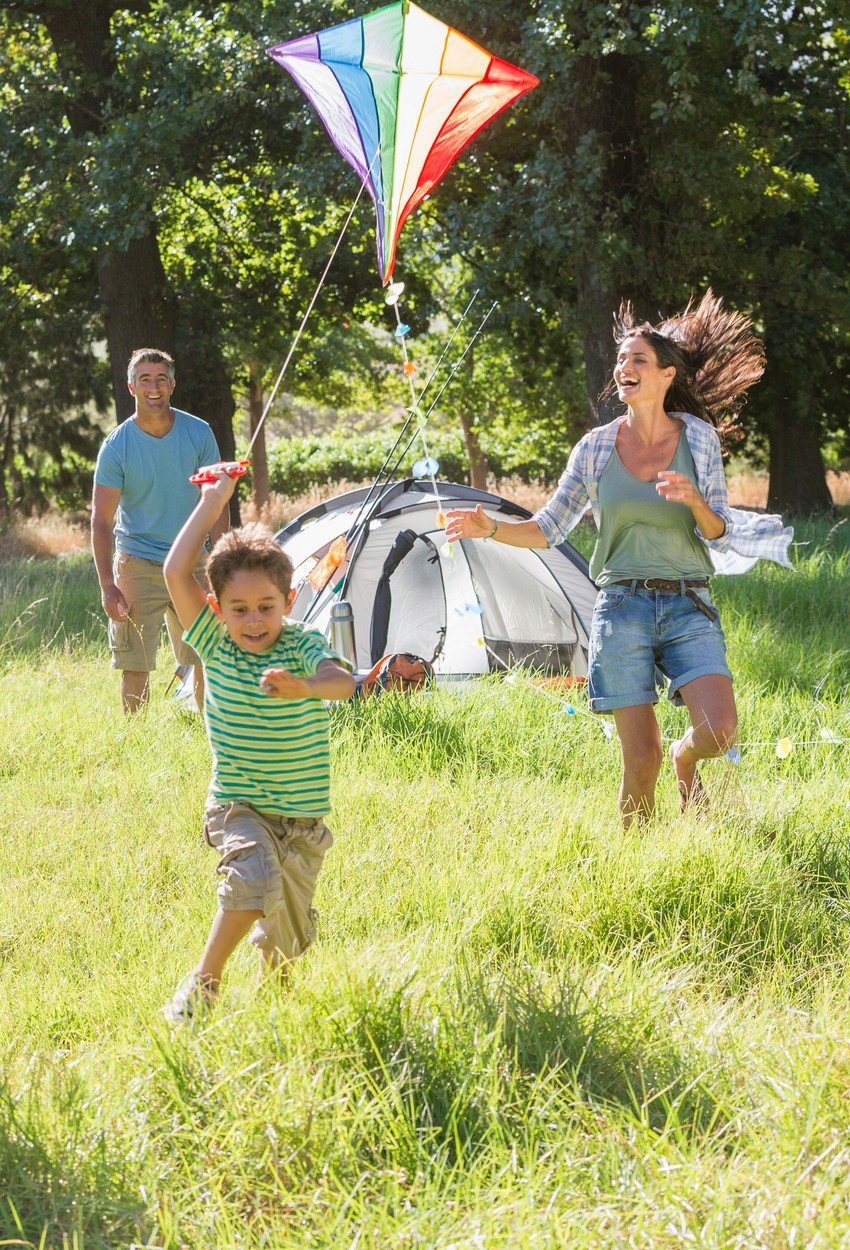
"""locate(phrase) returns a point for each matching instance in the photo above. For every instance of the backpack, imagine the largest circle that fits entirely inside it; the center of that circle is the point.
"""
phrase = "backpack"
(398, 671)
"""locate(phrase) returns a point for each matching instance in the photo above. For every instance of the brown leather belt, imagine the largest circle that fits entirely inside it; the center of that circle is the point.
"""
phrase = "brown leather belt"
(684, 587)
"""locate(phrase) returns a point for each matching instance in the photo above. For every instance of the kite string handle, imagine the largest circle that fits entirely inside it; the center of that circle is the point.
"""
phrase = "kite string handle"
(205, 475)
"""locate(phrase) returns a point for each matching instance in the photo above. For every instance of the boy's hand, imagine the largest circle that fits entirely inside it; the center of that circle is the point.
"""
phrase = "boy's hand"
(284, 685)
(222, 488)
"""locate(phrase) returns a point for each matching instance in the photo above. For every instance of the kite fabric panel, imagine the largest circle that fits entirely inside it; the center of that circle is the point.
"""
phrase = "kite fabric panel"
(401, 94)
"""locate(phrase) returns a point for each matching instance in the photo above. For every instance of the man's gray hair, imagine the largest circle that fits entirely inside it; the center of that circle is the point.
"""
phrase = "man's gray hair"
(152, 355)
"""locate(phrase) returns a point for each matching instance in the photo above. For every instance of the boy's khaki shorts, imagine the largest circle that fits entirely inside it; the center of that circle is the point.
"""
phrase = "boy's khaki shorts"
(269, 864)
(134, 642)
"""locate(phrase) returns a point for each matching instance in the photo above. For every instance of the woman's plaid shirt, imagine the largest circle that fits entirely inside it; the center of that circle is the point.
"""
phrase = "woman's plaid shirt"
(748, 536)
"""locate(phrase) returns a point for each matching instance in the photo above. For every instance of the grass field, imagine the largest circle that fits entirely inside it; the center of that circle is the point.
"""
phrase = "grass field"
(519, 1027)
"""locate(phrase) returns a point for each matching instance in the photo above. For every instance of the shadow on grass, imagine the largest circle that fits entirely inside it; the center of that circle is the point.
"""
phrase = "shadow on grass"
(512, 1064)
(63, 1179)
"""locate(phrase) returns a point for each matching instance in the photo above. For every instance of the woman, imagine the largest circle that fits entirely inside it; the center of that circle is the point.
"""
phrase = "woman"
(654, 479)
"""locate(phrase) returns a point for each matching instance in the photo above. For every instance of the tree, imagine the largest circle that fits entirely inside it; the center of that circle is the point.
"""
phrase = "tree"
(667, 150)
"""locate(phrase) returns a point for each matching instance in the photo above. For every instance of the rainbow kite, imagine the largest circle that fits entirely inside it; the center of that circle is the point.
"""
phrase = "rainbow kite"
(401, 95)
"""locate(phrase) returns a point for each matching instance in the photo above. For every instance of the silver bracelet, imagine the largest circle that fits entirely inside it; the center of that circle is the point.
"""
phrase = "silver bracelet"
(492, 533)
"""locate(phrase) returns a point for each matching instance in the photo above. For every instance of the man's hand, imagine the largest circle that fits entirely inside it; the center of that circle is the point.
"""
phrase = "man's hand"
(115, 605)
(284, 685)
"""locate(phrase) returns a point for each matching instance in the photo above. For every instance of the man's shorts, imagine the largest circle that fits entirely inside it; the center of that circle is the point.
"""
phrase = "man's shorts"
(269, 864)
(635, 631)
(133, 642)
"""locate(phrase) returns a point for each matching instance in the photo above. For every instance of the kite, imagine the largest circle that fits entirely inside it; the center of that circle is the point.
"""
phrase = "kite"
(401, 94)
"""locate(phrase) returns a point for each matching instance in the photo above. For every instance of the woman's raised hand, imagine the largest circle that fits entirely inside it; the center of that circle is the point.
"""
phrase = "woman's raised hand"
(465, 523)
(678, 488)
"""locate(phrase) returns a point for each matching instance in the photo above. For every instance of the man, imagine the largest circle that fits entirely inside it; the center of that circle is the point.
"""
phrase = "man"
(143, 496)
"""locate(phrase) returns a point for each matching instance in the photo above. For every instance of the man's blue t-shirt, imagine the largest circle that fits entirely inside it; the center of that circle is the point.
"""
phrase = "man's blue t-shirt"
(153, 477)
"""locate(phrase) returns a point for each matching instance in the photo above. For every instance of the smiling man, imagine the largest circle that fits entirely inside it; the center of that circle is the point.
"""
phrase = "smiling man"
(142, 497)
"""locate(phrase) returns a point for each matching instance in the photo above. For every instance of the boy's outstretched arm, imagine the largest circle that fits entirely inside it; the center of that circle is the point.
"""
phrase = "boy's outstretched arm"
(330, 681)
(182, 560)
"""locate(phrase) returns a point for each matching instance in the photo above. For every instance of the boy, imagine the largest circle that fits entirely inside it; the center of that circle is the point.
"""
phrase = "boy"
(266, 679)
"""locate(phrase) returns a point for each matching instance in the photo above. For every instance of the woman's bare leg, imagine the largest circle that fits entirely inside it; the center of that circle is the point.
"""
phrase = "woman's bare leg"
(714, 728)
(640, 743)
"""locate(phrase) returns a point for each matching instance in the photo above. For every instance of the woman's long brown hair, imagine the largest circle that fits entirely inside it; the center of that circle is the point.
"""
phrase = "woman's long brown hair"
(715, 352)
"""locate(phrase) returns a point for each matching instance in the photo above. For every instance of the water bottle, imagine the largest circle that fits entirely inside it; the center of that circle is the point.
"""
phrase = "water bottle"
(342, 631)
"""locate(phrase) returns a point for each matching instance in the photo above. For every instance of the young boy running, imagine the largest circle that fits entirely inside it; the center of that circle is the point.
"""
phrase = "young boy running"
(266, 680)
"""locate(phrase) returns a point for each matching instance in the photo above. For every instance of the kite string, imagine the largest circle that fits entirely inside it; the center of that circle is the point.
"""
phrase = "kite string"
(310, 306)
(516, 676)
(401, 333)
(421, 396)
(434, 401)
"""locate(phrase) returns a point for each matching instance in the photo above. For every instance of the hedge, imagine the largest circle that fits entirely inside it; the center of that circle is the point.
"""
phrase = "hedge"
(302, 461)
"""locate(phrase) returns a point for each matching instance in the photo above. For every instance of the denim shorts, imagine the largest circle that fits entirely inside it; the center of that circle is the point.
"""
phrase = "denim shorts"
(635, 632)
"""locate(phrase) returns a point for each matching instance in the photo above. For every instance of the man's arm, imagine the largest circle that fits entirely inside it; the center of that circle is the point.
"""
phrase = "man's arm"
(182, 560)
(104, 506)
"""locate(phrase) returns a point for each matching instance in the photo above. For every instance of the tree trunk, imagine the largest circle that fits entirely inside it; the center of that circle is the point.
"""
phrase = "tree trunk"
(203, 385)
(597, 302)
(797, 474)
(259, 459)
(604, 115)
(7, 455)
(139, 308)
(479, 466)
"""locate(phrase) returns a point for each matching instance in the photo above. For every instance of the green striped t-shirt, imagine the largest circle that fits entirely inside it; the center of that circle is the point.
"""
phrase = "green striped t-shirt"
(269, 752)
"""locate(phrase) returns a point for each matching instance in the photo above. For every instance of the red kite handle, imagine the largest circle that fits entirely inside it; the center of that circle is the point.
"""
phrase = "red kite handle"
(233, 468)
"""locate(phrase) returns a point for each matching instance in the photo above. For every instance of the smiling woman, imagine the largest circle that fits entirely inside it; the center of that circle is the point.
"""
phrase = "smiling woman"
(654, 479)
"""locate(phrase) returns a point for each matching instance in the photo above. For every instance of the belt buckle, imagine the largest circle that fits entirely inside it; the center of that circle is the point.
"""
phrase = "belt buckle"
(647, 583)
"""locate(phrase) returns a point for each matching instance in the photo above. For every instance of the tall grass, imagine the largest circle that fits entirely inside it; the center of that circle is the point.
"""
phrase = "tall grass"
(519, 1027)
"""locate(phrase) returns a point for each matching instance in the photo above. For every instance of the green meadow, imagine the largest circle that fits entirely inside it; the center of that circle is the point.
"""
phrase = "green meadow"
(519, 1027)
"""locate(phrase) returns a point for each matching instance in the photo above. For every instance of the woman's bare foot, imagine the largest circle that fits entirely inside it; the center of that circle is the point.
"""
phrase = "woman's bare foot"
(690, 785)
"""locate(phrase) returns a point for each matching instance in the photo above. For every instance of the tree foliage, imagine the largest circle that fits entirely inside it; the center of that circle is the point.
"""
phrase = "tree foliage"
(164, 180)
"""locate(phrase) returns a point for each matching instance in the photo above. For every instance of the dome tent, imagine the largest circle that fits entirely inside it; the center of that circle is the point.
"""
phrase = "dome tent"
(471, 607)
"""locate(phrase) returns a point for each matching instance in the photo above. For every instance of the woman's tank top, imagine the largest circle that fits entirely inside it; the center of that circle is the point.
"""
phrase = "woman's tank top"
(641, 534)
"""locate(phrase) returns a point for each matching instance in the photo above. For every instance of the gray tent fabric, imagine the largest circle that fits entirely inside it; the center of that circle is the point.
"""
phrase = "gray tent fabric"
(474, 606)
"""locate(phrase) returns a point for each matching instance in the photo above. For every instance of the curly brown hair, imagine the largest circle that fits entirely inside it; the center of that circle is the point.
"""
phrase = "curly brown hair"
(716, 355)
(250, 547)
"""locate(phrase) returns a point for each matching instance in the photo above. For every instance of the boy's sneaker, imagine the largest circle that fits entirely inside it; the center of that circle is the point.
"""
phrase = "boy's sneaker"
(193, 997)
